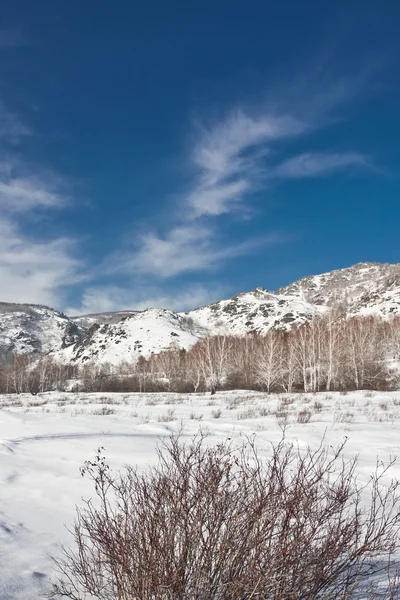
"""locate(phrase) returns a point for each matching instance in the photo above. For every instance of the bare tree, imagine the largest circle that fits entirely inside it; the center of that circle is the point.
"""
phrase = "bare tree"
(213, 359)
(332, 349)
(269, 360)
(290, 365)
(243, 370)
(221, 523)
(331, 353)
(366, 354)
(301, 339)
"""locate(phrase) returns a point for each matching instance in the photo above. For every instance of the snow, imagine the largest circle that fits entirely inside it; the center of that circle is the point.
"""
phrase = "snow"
(384, 304)
(45, 439)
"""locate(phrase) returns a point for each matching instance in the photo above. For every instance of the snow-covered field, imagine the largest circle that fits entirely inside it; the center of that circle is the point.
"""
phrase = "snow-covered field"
(44, 440)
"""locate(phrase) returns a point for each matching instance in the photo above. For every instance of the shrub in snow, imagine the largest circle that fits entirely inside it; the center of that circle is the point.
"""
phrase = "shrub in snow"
(222, 522)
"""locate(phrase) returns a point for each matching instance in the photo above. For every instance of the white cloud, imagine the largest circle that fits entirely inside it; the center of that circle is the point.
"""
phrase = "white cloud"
(24, 187)
(20, 193)
(218, 149)
(227, 157)
(183, 249)
(228, 161)
(218, 199)
(231, 160)
(318, 164)
(113, 298)
(33, 271)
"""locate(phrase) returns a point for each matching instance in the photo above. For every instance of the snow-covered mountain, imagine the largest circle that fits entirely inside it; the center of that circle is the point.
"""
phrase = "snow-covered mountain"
(30, 328)
(362, 285)
(363, 289)
(255, 311)
(133, 335)
(86, 321)
(154, 330)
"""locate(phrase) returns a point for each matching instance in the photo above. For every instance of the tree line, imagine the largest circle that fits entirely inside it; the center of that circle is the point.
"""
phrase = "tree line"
(328, 354)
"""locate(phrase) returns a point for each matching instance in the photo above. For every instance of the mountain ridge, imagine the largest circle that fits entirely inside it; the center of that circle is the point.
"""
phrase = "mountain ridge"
(364, 289)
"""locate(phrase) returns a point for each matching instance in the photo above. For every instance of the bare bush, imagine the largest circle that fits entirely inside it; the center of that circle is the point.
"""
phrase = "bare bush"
(345, 417)
(250, 413)
(216, 414)
(104, 410)
(196, 416)
(282, 416)
(167, 417)
(304, 416)
(318, 406)
(223, 523)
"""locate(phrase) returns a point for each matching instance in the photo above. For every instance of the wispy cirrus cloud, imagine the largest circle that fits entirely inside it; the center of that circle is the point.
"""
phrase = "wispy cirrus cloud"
(25, 187)
(318, 164)
(184, 248)
(228, 158)
(33, 270)
(229, 162)
(111, 298)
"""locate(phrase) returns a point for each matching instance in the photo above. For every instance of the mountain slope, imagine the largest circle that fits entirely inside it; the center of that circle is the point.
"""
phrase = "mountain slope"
(134, 335)
(87, 321)
(29, 328)
(151, 331)
(361, 284)
(363, 289)
(255, 311)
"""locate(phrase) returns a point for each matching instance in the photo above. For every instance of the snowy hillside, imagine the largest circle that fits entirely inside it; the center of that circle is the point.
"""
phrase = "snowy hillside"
(255, 311)
(138, 334)
(27, 328)
(86, 321)
(364, 289)
(361, 285)
(154, 330)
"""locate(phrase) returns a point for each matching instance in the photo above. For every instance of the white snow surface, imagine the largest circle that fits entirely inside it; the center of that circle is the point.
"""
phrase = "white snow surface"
(45, 439)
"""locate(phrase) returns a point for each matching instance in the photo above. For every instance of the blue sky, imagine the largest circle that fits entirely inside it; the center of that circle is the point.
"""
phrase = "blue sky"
(174, 153)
